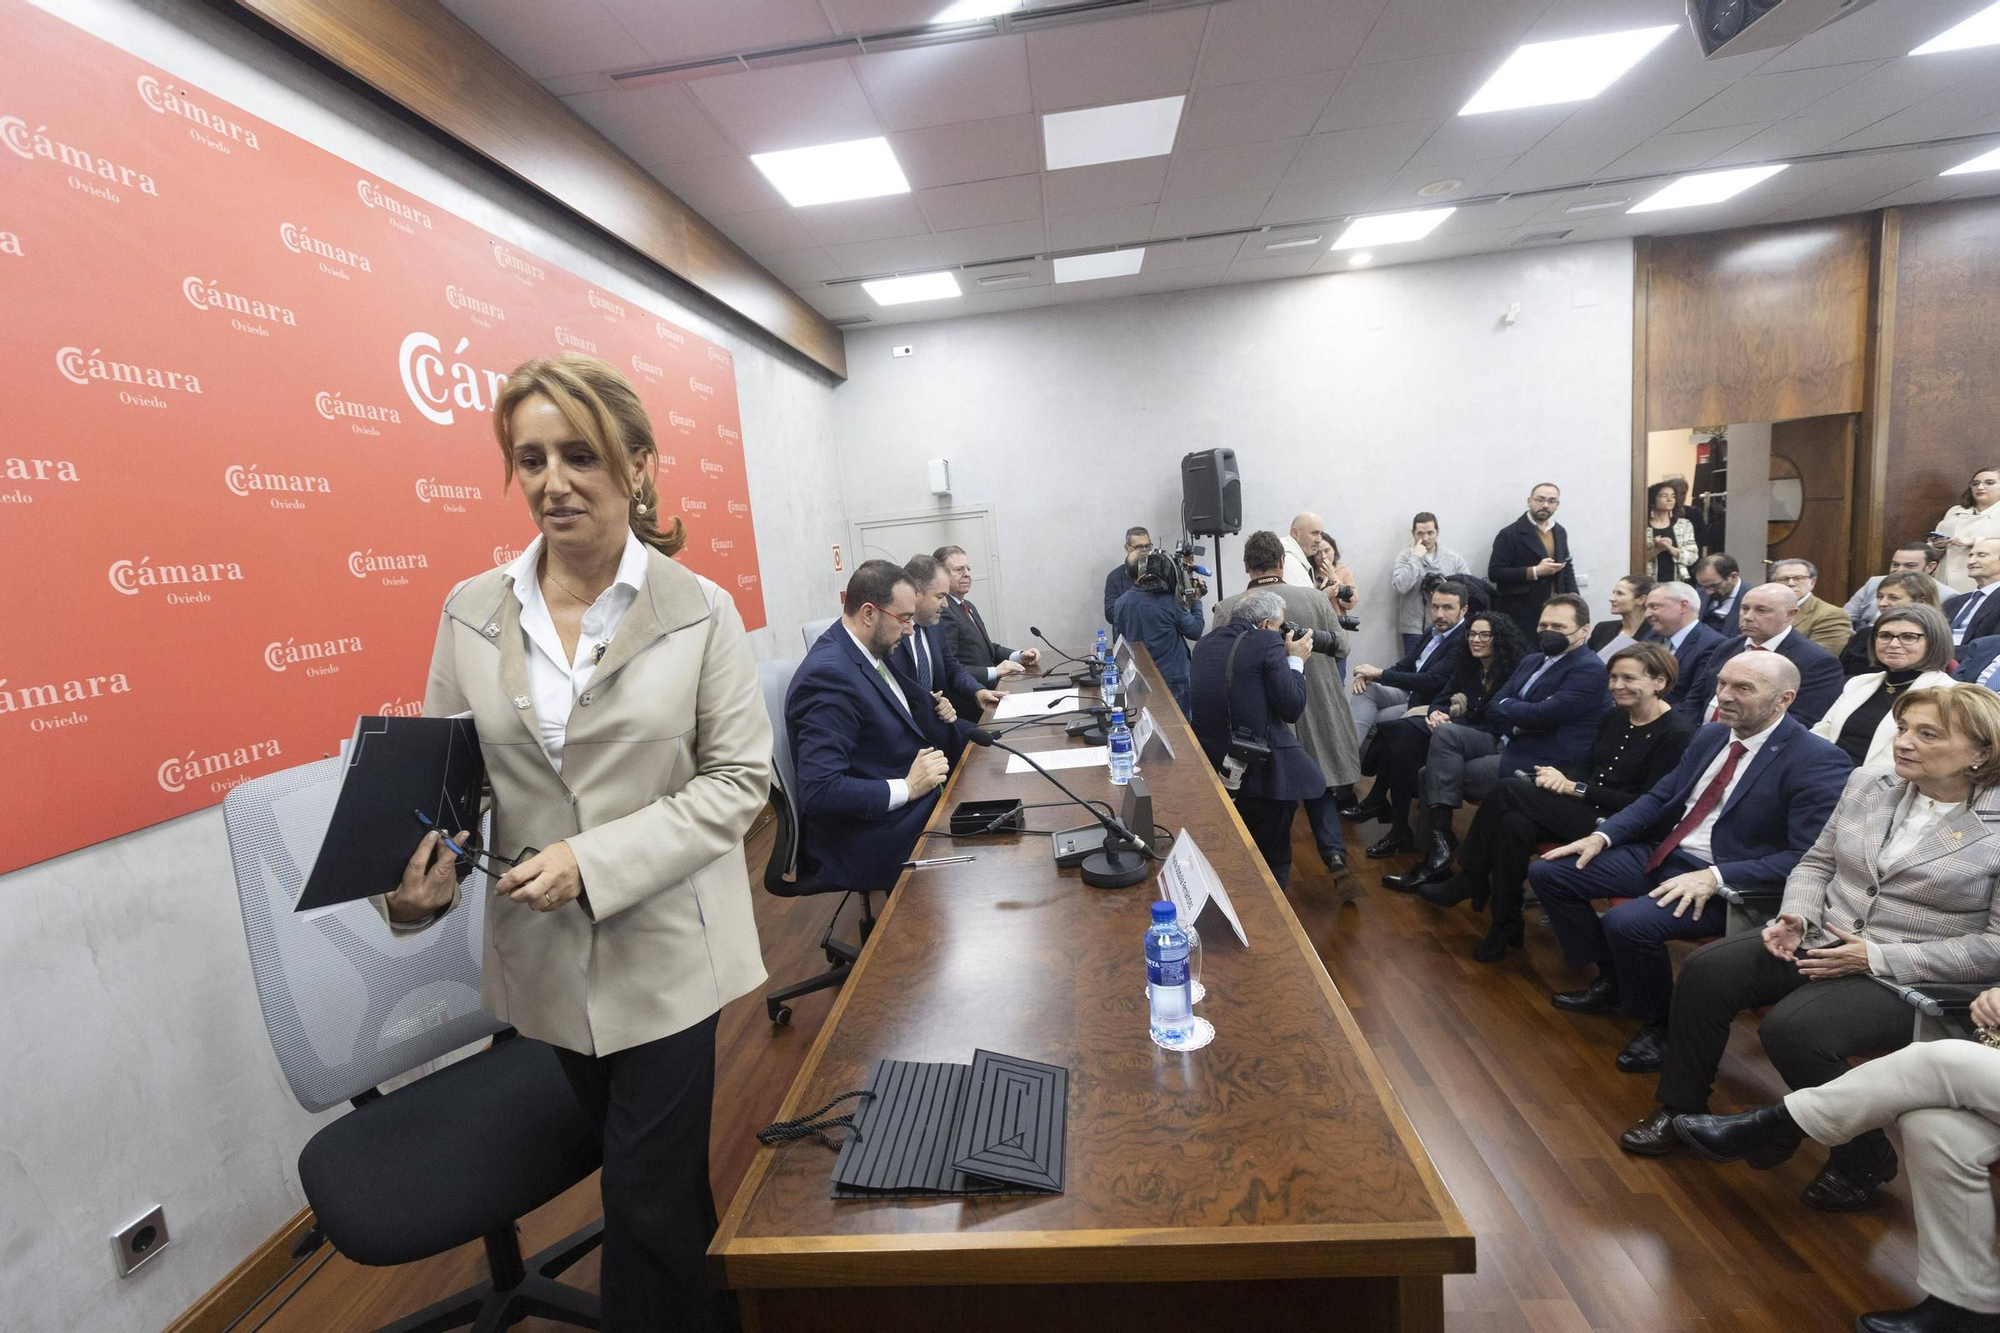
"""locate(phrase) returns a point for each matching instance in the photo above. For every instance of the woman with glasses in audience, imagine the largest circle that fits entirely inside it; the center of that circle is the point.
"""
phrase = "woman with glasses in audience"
(1899, 589)
(1911, 649)
(1628, 610)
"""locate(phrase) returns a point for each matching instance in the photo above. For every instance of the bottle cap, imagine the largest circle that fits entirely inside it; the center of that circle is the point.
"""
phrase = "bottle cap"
(1117, 717)
(1164, 913)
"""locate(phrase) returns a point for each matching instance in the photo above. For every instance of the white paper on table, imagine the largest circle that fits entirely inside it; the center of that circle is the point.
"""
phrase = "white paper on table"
(1090, 756)
(1032, 704)
(1190, 882)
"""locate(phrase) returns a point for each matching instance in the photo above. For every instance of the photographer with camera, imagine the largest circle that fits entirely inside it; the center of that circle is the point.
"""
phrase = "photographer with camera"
(1419, 568)
(1152, 612)
(1326, 728)
(1249, 687)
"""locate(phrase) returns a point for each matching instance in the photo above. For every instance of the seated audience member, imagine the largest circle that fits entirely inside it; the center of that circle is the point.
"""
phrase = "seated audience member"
(868, 746)
(1262, 694)
(1891, 591)
(1325, 730)
(1638, 743)
(1628, 614)
(1671, 549)
(1150, 613)
(925, 655)
(971, 644)
(1424, 559)
(1899, 885)
(1672, 611)
(1530, 562)
(1976, 614)
(1546, 714)
(1945, 1098)
(1825, 624)
(1722, 586)
(1493, 648)
(1766, 613)
(1743, 805)
(1909, 558)
(1912, 647)
(1137, 542)
(1976, 660)
(1415, 680)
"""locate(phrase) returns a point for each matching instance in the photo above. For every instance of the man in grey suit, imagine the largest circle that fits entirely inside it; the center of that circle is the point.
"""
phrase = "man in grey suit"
(971, 643)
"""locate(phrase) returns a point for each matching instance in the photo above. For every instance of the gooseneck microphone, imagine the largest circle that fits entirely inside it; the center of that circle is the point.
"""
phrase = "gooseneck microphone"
(1090, 664)
(1123, 861)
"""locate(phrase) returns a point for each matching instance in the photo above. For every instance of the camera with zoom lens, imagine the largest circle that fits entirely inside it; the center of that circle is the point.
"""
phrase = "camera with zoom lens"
(1350, 624)
(1246, 748)
(1188, 586)
(1324, 641)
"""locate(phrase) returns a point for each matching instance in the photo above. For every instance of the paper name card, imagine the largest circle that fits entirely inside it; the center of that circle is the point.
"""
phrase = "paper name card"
(1191, 884)
(1091, 756)
(1145, 731)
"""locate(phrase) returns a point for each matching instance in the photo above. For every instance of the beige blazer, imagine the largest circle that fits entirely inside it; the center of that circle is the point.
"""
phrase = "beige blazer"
(1853, 695)
(666, 762)
(1933, 912)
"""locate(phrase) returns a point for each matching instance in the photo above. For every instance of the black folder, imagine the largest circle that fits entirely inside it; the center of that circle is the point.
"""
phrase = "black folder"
(995, 1126)
(395, 767)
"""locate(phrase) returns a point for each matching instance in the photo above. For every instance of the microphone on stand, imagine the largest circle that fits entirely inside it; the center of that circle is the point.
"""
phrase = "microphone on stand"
(1091, 666)
(1123, 860)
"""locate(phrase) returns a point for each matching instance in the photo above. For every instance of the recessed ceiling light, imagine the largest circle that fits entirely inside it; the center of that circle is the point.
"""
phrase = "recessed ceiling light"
(1360, 257)
(1110, 133)
(1575, 69)
(1108, 264)
(831, 172)
(1295, 243)
(1982, 29)
(967, 10)
(1984, 162)
(915, 287)
(1389, 228)
(1599, 205)
(1706, 187)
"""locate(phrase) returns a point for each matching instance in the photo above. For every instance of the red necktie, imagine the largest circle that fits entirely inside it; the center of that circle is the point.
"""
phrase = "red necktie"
(972, 611)
(1711, 797)
(1716, 711)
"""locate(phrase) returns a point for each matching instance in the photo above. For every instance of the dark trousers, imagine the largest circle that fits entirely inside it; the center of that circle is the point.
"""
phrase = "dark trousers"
(1510, 824)
(1405, 743)
(1270, 825)
(1629, 942)
(651, 1103)
(1811, 1031)
(1323, 813)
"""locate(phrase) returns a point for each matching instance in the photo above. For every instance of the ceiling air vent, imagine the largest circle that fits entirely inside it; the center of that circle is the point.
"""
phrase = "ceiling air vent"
(1541, 237)
(849, 321)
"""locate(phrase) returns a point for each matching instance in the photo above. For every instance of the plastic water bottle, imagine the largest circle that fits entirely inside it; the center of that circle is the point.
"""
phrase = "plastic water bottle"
(1118, 749)
(1167, 988)
(1103, 653)
(1111, 686)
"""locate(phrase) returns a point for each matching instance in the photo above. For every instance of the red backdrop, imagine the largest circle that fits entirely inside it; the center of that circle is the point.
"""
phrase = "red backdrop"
(246, 390)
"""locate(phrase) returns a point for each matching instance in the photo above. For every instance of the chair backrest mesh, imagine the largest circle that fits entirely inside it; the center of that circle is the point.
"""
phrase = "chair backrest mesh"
(812, 629)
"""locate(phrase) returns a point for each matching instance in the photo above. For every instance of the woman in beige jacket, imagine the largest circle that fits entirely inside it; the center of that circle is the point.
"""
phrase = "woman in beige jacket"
(628, 750)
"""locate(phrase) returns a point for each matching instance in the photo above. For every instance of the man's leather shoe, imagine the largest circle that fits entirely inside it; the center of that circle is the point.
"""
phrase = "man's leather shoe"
(1451, 892)
(1600, 996)
(1334, 855)
(1396, 842)
(1763, 1137)
(1930, 1315)
(1408, 882)
(1651, 1137)
(1842, 1189)
(1645, 1052)
(1371, 811)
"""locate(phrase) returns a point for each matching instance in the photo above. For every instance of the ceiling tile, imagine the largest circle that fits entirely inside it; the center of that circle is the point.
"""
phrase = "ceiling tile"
(1106, 185)
(1003, 241)
(1115, 60)
(1412, 29)
(792, 106)
(1097, 289)
(716, 185)
(1273, 266)
(1763, 98)
(674, 30)
(1671, 153)
(1192, 217)
(1250, 112)
(1377, 150)
(1587, 18)
(896, 254)
(979, 203)
(1882, 29)
(876, 15)
(1265, 39)
(1948, 112)
(1257, 244)
(1401, 191)
(553, 37)
(1211, 171)
(766, 230)
(799, 268)
(975, 150)
(1216, 250)
(864, 219)
(1499, 133)
(940, 85)
(655, 124)
(1572, 152)
(1797, 137)
(1327, 199)
(1427, 89)
(1116, 226)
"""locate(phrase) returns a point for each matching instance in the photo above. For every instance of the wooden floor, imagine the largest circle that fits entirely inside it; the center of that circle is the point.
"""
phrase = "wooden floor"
(1520, 1106)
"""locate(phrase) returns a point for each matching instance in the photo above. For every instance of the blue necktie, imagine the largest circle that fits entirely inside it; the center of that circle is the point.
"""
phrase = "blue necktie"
(918, 647)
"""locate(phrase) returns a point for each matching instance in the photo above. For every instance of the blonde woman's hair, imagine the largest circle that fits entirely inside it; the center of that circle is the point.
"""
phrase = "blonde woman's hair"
(1971, 711)
(603, 409)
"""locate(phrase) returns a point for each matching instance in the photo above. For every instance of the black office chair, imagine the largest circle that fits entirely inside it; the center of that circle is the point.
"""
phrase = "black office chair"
(791, 872)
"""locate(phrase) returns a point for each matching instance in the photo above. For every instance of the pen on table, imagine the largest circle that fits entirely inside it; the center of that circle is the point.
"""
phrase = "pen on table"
(940, 860)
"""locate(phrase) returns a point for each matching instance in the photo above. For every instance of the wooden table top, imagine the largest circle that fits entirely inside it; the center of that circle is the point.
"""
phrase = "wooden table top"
(1278, 1151)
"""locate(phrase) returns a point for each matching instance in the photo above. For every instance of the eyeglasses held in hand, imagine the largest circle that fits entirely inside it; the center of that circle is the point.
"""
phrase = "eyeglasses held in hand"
(482, 860)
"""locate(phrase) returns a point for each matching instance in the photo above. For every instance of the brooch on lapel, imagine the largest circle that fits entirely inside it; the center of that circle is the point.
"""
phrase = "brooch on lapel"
(521, 701)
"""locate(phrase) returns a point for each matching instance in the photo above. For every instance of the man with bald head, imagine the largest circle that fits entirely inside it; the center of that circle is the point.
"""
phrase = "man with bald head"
(1767, 615)
(1301, 544)
(1749, 797)
(1975, 614)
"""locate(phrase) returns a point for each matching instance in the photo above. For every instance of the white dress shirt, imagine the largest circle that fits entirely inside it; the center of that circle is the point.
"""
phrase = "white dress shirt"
(899, 788)
(1916, 815)
(554, 681)
(1698, 842)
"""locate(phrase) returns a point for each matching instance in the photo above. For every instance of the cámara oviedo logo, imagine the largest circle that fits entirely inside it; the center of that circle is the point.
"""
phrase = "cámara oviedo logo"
(720, 544)
(279, 487)
(334, 407)
(38, 143)
(472, 305)
(437, 389)
(704, 389)
(80, 367)
(514, 263)
(313, 655)
(720, 355)
(57, 694)
(302, 242)
(738, 507)
(681, 420)
(404, 217)
(690, 505)
(746, 580)
(564, 338)
(669, 333)
(175, 774)
(169, 101)
(391, 568)
(728, 433)
(132, 577)
(644, 367)
(430, 488)
(599, 301)
(713, 468)
(204, 295)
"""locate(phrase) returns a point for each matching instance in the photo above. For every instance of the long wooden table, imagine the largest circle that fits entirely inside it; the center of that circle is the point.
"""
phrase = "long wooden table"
(1272, 1175)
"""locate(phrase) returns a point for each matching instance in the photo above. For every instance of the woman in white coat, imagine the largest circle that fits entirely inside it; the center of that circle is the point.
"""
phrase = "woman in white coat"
(1975, 517)
(1910, 649)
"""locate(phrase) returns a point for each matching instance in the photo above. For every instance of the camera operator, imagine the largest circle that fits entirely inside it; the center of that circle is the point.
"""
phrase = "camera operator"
(1249, 687)
(1151, 612)
(1326, 729)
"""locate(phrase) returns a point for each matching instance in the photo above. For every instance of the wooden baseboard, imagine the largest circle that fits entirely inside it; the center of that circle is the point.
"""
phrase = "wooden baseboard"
(232, 1296)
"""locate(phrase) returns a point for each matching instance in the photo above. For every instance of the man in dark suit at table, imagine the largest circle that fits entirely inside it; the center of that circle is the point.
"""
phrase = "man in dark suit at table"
(1530, 561)
(1976, 614)
(1768, 614)
(925, 658)
(1748, 798)
(1979, 662)
(868, 747)
(1721, 584)
(971, 643)
(1673, 612)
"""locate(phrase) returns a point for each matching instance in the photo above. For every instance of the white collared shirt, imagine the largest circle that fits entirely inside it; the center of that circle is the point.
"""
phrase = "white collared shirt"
(1698, 841)
(899, 788)
(554, 682)
(1436, 641)
(1542, 527)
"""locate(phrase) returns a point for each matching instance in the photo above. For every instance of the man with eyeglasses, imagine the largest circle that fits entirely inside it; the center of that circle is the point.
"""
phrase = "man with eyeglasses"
(1826, 625)
(1767, 614)
(1119, 581)
(868, 747)
(1530, 561)
(971, 642)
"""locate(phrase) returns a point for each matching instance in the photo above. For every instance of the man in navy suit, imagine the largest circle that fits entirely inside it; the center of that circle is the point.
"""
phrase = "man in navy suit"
(1768, 613)
(1745, 803)
(1979, 662)
(926, 657)
(1673, 613)
(1721, 582)
(867, 745)
(1262, 693)
(1382, 695)
(1976, 614)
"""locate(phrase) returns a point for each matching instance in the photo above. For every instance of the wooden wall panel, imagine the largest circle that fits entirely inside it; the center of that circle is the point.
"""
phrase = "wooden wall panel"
(1943, 419)
(1758, 324)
